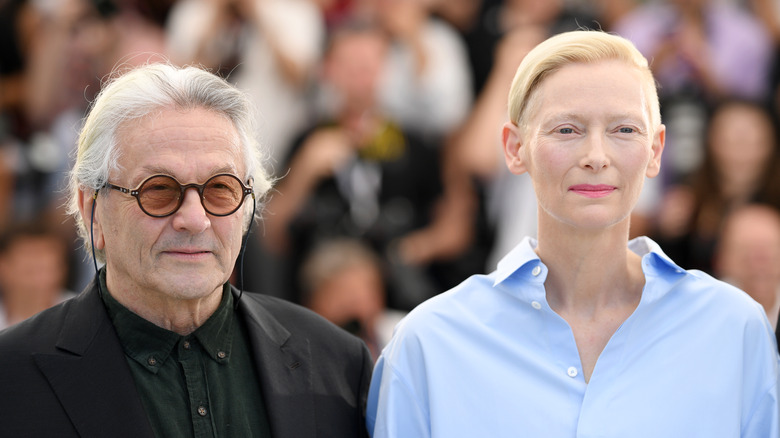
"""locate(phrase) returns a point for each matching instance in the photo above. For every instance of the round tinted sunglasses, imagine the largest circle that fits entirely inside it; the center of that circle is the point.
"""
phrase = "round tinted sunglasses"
(162, 195)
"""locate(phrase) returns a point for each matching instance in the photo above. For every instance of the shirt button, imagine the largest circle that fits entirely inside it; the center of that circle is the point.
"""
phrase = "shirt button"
(186, 345)
(536, 305)
(572, 372)
(536, 271)
(202, 411)
(151, 361)
(221, 354)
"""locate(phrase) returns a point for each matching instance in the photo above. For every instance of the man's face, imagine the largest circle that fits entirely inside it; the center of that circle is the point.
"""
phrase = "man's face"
(589, 145)
(189, 254)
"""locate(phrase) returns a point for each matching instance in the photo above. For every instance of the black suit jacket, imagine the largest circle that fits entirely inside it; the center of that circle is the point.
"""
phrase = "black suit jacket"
(63, 373)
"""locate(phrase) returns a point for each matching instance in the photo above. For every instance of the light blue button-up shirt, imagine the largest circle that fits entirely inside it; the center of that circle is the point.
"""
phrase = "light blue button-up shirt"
(490, 358)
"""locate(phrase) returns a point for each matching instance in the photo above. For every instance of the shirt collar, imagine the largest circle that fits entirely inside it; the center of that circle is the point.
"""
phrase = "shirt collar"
(654, 260)
(522, 261)
(517, 260)
(151, 346)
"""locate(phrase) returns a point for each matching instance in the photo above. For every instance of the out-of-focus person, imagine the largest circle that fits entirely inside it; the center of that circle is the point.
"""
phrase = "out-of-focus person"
(33, 271)
(77, 43)
(358, 173)
(343, 280)
(426, 83)
(748, 255)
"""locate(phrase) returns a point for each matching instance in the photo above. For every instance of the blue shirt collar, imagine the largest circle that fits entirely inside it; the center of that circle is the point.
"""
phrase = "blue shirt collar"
(522, 260)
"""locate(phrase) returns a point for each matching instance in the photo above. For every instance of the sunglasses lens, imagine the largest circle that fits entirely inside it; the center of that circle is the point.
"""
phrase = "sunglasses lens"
(159, 195)
(222, 194)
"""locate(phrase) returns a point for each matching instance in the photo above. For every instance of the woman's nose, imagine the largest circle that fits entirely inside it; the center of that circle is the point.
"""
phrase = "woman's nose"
(595, 153)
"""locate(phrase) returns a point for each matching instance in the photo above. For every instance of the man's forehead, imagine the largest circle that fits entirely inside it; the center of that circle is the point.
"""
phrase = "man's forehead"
(171, 139)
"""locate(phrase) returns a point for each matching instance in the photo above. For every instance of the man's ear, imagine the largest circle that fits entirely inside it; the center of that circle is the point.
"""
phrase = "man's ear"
(510, 137)
(88, 201)
(659, 140)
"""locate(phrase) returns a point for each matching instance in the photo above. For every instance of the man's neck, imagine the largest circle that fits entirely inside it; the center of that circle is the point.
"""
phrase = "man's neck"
(182, 316)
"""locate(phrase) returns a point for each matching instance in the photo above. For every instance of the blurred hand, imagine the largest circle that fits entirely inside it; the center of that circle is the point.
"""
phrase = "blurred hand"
(324, 152)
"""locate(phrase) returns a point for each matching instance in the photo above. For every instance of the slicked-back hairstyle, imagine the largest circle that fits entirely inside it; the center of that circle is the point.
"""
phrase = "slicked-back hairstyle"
(150, 89)
(576, 47)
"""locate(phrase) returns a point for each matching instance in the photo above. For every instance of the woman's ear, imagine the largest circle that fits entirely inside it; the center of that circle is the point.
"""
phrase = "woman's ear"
(510, 137)
(87, 202)
(659, 139)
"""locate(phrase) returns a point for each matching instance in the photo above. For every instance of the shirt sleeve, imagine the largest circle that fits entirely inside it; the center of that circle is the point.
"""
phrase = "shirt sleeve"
(762, 418)
(394, 408)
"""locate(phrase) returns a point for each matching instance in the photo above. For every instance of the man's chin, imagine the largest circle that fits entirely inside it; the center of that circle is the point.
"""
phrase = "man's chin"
(193, 281)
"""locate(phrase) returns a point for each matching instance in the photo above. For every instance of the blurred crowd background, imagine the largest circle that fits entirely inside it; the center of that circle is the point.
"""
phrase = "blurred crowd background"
(382, 121)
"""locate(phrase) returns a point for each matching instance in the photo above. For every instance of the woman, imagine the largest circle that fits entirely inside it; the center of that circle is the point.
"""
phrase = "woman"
(582, 333)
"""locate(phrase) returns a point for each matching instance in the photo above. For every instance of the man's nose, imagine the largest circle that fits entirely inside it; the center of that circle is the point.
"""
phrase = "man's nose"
(191, 216)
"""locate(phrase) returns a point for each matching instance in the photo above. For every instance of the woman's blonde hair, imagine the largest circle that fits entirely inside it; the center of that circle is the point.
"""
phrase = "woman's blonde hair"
(582, 46)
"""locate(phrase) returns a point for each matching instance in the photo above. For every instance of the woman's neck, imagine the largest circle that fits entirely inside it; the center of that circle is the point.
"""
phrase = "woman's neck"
(590, 272)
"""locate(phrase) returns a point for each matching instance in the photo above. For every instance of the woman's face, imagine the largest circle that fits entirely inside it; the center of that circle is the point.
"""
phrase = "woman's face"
(588, 144)
(741, 142)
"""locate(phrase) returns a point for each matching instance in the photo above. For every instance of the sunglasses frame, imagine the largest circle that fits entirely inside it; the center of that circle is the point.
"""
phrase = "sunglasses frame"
(245, 190)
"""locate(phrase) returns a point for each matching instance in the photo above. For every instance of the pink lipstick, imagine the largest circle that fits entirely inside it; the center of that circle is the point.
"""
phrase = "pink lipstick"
(593, 190)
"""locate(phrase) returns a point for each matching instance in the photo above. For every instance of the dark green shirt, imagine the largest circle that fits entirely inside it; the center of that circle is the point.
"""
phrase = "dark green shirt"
(200, 385)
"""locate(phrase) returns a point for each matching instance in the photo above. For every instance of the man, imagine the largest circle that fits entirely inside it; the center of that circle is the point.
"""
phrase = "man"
(581, 332)
(160, 344)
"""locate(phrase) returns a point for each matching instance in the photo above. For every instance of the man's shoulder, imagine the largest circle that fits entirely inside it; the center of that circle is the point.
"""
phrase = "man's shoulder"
(36, 332)
(298, 320)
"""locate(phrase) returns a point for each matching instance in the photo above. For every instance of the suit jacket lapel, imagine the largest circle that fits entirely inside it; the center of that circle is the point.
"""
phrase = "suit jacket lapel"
(285, 373)
(90, 375)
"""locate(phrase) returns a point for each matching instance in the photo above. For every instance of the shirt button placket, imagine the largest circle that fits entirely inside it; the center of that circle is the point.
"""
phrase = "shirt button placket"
(535, 272)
